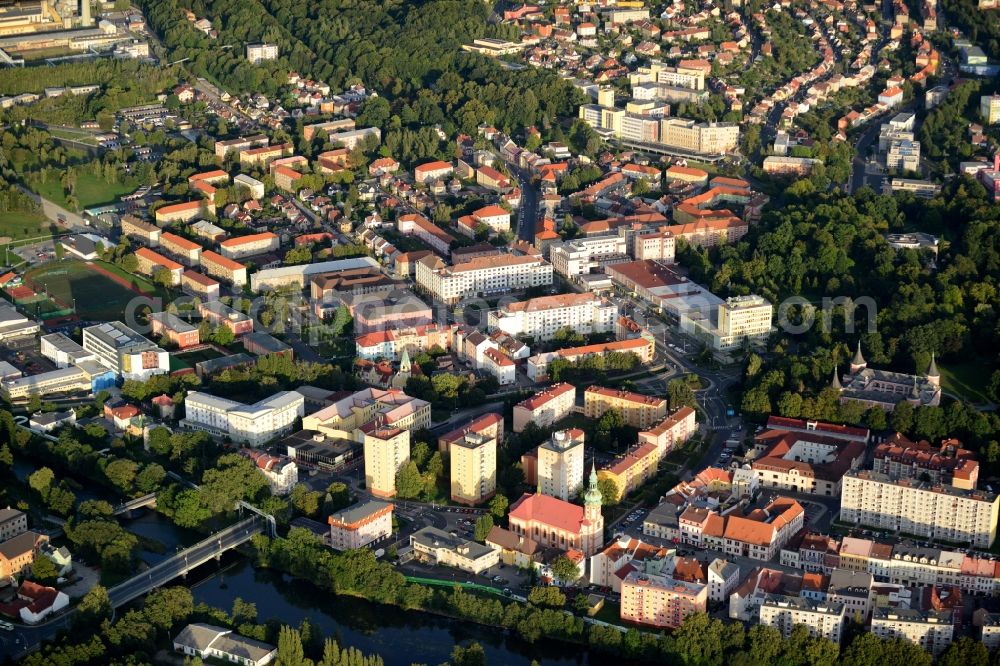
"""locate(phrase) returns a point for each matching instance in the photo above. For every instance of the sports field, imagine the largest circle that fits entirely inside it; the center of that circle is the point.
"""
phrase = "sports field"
(101, 292)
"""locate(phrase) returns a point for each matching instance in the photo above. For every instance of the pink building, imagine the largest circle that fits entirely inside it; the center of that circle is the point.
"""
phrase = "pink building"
(661, 601)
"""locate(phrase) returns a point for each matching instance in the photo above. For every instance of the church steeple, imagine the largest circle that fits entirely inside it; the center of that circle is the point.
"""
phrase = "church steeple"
(836, 380)
(858, 363)
(404, 361)
(593, 495)
(933, 376)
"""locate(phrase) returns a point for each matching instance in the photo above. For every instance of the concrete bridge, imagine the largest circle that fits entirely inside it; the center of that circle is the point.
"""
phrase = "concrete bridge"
(138, 502)
(207, 549)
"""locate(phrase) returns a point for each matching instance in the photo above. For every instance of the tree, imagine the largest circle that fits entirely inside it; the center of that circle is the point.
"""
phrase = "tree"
(409, 482)
(964, 652)
(94, 608)
(473, 655)
(498, 506)
(290, 651)
(680, 394)
(306, 501)
(610, 493)
(41, 481)
(338, 496)
(34, 403)
(565, 570)
(545, 595)
(44, 570)
(6, 460)
(121, 473)
(150, 478)
(483, 526)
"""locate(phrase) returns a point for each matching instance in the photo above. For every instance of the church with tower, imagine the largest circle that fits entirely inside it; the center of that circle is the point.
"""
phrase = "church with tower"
(885, 389)
(555, 523)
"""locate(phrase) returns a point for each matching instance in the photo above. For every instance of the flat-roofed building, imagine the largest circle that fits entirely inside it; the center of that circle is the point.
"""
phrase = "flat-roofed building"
(253, 424)
(660, 601)
(63, 351)
(125, 352)
(545, 408)
(360, 524)
(473, 459)
(433, 546)
(822, 619)
(931, 630)
(638, 410)
(925, 509)
(86, 377)
(582, 256)
(387, 450)
(560, 464)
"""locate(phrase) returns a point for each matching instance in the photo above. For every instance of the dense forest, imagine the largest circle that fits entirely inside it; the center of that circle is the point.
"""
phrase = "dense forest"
(980, 27)
(409, 53)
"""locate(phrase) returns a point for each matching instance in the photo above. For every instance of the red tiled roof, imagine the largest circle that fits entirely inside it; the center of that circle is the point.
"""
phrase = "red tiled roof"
(547, 510)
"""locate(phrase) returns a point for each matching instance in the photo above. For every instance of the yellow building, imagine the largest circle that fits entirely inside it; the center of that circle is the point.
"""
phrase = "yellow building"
(473, 468)
(387, 450)
(633, 469)
(638, 410)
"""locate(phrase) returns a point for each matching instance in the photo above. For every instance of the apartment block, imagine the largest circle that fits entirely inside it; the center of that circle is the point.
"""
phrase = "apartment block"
(248, 246)
(660, 601)
(582, 256)
(560, 464)
(931, 630)
(196, 284)
(12, 523)
(540, 318)
(638, 410)
(473, 459)
(123, 351)
(223, 268)
(538, 365)
(671, 431)
(989, 109)
(178, 331)
(948, 463)
(433, 546)
(822, 619)
(545, 408)
(184, 212)
(349, 417)
(920, 508)
(633, 468)
(259, 52)
(150, 263)
(185, 251)
(701, 138)
(328, 127)
(656, 246)
(140, 230)
(481, 276)
(360, 524)
(224, 148)
(418, 225)
(220, 314)
(264, 155)
(253, 425)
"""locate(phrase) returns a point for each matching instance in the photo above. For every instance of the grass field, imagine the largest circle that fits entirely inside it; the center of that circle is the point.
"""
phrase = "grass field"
(19, 225)
(97, 296)
(967, 380)
(91, 190)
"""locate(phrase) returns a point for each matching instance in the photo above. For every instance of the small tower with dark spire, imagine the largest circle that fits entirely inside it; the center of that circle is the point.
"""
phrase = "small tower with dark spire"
(858, 363)
(836, 380)
(914, 398)
(933, 376)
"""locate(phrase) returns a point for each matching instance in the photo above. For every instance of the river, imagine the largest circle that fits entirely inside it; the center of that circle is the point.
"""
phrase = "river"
(399, 637)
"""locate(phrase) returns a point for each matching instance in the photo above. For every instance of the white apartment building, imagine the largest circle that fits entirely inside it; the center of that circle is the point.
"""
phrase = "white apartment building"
(541, 317)
(931, 630)
(681, 77)
(694, 137)
(655, 245)
(253, 424)
(560, 464)
(645, 129)
(360, 524)
(259, 52)
(824, 620)
(482, 276)
(582, 256)
(732, 323)
(545, 408)
(923, 509)
(282, 474)
(903, 155)
(123, 351)
(723, 578)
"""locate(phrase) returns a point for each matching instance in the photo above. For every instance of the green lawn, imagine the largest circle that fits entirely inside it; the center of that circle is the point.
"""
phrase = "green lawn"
(188, 359)
(82, 136)
(17, 225)
(91, 190)
(97, 296)
(967, 380)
